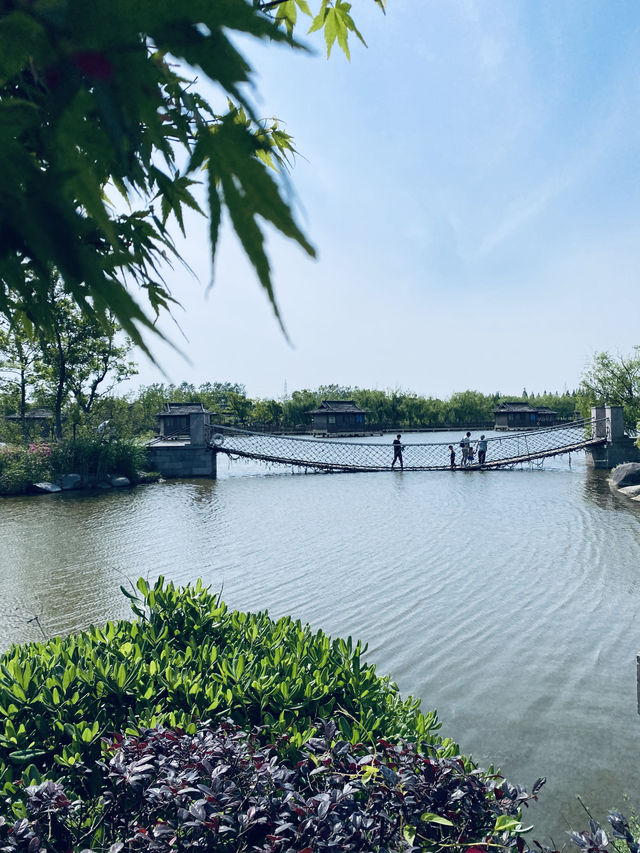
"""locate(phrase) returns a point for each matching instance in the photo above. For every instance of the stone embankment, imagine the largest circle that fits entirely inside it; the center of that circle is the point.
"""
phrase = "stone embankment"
(69, 482)
(626, 480)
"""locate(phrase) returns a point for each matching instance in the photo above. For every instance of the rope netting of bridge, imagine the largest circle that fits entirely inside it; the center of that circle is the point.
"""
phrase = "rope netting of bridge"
(330, 454)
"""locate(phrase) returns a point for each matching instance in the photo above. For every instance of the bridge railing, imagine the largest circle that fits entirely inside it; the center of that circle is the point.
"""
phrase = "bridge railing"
(349, 455)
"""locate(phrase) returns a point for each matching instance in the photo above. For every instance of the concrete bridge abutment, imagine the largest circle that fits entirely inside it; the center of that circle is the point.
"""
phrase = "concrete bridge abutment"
(608, 422)
(188, 456)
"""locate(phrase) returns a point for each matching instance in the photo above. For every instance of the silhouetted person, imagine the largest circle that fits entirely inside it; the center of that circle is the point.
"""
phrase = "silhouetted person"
(452, 456)
(397, 451)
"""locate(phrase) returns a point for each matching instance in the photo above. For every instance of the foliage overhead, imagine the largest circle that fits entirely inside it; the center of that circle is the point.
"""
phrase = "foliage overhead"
(102, 139)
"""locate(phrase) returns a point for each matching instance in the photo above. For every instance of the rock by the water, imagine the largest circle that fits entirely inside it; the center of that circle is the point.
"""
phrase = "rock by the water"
(630, 491)
(45, 488)
(627, 474)
(70, 481)
(120, 482)
(148, 476)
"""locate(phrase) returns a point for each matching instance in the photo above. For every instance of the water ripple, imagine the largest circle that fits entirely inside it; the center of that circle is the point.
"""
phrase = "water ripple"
(508, 599)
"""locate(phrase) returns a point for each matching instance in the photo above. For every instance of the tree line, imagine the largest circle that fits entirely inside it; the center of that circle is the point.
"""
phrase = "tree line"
(134, 414)
(74, 371)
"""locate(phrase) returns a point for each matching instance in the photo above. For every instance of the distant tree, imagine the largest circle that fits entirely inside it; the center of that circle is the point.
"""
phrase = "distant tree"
(215, 395)
(295, 410)
(434, 411)
(376, 403)
(267, 412)
(564, 404)
(465, 407)
(614, 380)
(18, 372)
(411, 410)
(239, 406)
(79, 358)
(335, 392)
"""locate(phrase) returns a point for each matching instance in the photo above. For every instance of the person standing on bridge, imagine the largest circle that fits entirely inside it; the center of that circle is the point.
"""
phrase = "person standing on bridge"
(465, 444)
(481, 447)
(397, 451)
(452, 457)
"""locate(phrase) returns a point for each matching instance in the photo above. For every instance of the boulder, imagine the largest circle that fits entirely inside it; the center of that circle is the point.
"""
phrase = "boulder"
(630, 491)
(70, 481)
(120, 482)
(148, 477)
(45, 488)
(627, 474)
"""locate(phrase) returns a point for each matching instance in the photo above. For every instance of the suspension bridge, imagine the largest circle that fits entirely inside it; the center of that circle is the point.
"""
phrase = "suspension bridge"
(507, 450)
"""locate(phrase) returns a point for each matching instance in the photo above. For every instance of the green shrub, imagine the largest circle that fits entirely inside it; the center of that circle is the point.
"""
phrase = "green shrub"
(94, 458)
(184, 660)
(223, 790)
(19, 467)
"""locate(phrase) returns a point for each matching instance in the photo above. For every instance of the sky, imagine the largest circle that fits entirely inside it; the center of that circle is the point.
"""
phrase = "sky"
(470, 181)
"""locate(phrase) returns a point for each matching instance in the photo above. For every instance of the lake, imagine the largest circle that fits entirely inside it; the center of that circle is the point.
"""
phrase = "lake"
(508, 600)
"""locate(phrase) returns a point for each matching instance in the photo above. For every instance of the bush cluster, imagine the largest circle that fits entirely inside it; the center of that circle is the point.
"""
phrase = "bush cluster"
(92, 458)
(335, 758)
(223, 790)
(19, 467)
(187, 658)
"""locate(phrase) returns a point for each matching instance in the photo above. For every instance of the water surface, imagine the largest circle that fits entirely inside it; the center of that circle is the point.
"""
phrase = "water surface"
(508, 600)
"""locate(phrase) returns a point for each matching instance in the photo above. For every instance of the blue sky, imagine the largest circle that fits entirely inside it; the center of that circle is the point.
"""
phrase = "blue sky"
(470, 180)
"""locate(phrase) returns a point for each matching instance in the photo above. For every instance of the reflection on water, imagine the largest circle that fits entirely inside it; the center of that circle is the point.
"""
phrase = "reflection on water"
(506, 599)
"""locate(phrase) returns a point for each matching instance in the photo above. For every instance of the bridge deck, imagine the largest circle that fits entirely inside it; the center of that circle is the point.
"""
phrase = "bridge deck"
(343, 456)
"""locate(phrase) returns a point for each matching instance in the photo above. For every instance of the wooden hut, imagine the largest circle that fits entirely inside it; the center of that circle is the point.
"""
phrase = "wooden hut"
(338, 416)
(519, 415)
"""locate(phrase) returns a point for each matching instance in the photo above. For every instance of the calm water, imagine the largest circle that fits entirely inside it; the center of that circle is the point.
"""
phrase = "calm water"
(508, 600)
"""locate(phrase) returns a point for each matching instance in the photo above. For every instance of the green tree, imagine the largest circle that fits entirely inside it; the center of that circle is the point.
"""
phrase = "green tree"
(466, 407)
(18, 373)
(411, 410)
(267, 412)
(614, 380)
(565, 404)
(215, 395)
(295, 410)
(80, 358)
(239, 406)
(377, 403)
(93, 105)
(434, 412)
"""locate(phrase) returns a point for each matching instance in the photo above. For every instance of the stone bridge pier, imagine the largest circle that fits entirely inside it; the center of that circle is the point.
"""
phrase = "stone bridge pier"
(187, 455)
(608, 423)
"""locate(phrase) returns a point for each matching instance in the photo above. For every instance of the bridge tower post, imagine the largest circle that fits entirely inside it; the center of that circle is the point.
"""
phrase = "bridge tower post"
(598, 421)
(615, 423)
(608, 422)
